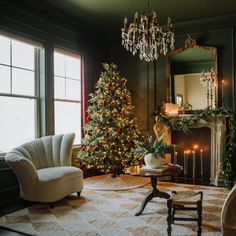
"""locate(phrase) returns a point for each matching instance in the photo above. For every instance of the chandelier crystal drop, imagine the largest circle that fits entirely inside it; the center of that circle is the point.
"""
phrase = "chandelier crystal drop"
(147, 37)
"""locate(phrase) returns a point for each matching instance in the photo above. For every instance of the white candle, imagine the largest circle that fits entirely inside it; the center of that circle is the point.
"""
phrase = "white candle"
(215, 95)
(125, 22)
(201, 162)
(175, 157)
(222, 92)
(207, 93)
(185, 162)
(194, 160)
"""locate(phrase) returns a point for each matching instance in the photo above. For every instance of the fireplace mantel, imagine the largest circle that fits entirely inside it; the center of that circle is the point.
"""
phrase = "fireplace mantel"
(217, 125)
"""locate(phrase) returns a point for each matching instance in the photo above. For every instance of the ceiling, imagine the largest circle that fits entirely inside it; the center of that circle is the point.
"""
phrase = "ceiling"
(107, 15)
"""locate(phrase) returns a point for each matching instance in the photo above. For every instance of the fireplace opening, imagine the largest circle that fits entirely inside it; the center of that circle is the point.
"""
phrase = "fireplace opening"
(194, 154)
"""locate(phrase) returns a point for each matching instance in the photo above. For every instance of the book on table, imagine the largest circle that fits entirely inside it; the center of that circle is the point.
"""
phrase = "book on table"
(153, 170)
(169, 166)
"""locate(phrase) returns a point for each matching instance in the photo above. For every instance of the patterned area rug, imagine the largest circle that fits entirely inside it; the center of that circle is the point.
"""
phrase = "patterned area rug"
(112, 213)
(121, 182)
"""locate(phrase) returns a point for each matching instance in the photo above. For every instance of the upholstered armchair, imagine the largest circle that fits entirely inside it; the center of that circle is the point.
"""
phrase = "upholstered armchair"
(228, 216)
(43, 168)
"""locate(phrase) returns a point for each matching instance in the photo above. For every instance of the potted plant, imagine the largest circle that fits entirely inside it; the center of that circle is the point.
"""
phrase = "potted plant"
(154, 152)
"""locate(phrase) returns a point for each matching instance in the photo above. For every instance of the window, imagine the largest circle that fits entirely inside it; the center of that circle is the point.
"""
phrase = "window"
(18, 92)
(67, 92)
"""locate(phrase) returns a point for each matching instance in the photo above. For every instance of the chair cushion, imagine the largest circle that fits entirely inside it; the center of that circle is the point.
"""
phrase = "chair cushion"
(184, 197)
(59, 173)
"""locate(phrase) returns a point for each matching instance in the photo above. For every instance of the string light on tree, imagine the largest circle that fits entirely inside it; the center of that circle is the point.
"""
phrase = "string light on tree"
(111, 130)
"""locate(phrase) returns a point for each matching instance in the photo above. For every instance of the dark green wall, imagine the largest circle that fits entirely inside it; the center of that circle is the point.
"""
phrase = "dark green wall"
(144, 82)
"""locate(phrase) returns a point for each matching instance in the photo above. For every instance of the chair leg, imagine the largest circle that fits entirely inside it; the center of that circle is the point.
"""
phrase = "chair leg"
(78, 194)
(169, 218)
(173, 215)
(51, 205)
(199, 221)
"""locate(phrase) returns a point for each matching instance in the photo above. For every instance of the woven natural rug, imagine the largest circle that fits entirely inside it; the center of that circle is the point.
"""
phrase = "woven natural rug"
(109, 213)
(121, 182)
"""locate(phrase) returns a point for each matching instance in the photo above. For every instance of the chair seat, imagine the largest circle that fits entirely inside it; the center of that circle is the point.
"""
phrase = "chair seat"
(60, 172)
(186, 198)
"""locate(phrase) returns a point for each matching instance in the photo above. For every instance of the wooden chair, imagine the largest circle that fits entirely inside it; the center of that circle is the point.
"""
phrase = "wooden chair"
(184, 201)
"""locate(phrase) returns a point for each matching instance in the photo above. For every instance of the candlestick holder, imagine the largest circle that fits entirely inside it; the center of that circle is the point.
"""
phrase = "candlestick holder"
(207, 79)
(211, 96)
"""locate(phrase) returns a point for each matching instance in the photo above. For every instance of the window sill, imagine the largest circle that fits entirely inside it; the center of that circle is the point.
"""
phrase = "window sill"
(2, 156)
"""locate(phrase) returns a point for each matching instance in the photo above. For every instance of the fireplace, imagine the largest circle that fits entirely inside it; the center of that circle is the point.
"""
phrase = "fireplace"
(206, 142)
(194, 154)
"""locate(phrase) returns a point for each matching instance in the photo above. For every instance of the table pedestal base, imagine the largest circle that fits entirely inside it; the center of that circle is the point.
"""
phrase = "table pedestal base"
(154, 193)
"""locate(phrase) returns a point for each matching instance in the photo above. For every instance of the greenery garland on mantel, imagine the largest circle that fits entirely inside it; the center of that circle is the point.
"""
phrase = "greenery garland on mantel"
(184, 123)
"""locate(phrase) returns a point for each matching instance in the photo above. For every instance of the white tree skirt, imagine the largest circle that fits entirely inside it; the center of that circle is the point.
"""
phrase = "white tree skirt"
(121, 182)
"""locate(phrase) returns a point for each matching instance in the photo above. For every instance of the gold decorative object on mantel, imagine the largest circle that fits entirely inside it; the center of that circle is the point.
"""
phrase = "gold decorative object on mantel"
(184, 67)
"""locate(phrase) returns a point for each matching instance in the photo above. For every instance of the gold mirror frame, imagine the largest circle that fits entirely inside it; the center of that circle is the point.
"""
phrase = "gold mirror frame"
(190, 43)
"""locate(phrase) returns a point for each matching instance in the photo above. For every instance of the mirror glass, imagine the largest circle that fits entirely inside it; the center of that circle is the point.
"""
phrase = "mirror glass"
(192, 81)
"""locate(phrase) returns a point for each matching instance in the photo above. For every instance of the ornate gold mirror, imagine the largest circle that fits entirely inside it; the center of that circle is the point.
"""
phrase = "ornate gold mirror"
(192, 76)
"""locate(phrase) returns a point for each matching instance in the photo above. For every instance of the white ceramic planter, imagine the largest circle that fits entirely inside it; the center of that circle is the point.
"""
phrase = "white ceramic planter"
(153, 160)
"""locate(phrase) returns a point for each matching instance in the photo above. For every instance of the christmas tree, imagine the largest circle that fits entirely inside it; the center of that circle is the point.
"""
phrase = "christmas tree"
(111, 130)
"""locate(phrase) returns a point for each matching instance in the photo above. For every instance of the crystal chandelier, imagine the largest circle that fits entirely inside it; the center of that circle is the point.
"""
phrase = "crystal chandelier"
(147, 37)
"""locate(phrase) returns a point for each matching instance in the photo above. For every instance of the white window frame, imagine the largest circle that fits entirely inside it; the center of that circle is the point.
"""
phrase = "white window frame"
(78, 56)
(37, 47)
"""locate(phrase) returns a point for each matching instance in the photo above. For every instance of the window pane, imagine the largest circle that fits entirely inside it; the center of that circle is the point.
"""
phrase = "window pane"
(5, 50)
(17, 122)
(22, 55)
(73, 67)
(59, 64)
(5, 86)
(59, 87)
(68, 119)
(73, 89)
(22, 82)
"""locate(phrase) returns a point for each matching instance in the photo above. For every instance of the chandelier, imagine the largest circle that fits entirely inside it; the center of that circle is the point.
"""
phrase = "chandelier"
(147, 37)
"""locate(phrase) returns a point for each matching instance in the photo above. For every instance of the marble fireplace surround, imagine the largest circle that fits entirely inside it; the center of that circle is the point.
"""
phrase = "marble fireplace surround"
(217, 125)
